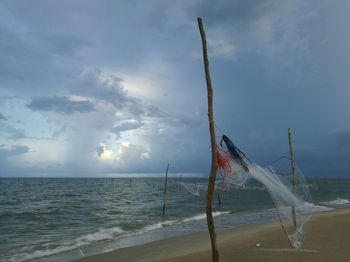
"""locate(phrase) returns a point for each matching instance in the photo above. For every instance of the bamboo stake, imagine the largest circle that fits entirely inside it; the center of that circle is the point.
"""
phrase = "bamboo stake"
(180, 183)
(219, 199)
(165, 185)
(293, 172)
(214, 164)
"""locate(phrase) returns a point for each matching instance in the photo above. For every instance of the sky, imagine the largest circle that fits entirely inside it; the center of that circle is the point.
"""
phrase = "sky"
(89, 88)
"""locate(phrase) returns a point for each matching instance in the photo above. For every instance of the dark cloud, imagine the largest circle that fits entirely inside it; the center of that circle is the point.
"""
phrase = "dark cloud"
(325, 162)
(106, 88)
(60, 104)
(278, 64)
(342, 139)
(14, 132)
(13, 151)
(126, 125)
(329, 158)
(64, 44)
(33, 57)
(234, 12)
(2, 117)
(100, 149)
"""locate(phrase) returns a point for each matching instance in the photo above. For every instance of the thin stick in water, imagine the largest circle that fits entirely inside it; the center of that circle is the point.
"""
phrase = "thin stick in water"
(165, 186)
(219, 199)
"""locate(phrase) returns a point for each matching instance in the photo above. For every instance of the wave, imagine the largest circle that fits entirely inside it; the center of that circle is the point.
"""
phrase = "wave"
(306, 208)
(106, 234)
(337, 202)
(203, 216)
(167, 223)
(103, 234)
(312, 208)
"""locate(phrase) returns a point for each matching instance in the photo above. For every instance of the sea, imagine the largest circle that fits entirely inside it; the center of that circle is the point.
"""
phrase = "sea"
(64, 219)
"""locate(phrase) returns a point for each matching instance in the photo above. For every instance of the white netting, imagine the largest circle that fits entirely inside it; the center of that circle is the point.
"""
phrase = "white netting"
(290, 200)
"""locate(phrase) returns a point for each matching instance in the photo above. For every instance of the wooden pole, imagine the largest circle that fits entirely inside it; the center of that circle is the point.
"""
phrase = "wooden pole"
(180, 183)
(214, 163)
(219, 199)
(293, 172)
(165, 185)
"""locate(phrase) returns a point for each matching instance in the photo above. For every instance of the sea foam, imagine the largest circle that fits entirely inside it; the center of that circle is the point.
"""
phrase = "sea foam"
(167, 223)
(337, 202)
(103, 234)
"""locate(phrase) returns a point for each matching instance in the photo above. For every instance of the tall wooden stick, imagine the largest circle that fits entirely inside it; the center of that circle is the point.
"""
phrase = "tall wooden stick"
(165, 186)
(293, 172)
(180, 183)
(219, 199)
(214, 163)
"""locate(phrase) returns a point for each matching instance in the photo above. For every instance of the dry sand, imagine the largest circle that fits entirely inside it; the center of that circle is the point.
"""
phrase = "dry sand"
(327, 239)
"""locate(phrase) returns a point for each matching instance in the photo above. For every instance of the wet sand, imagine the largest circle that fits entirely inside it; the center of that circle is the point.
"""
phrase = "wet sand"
(327, 239)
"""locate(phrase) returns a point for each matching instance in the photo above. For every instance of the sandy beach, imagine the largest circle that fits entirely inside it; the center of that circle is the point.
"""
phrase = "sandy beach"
(327, 239)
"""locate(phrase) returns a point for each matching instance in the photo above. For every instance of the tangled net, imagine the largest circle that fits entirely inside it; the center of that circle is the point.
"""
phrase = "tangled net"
(290, 201)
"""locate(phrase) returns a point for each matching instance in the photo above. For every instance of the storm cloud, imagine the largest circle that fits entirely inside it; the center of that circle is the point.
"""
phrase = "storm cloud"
(118, 86)
(60, 104)
(2, 117)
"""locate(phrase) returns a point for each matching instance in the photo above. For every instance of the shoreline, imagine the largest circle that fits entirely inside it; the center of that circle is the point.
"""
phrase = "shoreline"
(327, 235)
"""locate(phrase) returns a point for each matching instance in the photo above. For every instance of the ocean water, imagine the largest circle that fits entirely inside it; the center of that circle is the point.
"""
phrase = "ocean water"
(62, 219)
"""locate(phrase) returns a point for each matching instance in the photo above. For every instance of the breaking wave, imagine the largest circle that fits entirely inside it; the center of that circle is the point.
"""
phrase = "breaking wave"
(337, 202)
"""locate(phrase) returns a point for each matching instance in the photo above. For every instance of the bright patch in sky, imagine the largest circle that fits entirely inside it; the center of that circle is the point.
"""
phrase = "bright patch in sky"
(100, 88)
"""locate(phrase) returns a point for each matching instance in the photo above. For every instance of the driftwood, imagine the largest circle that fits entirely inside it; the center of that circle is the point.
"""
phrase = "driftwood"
(214, 164)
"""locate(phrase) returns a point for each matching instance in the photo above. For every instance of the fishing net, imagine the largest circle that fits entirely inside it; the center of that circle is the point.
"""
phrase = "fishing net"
(290, 199)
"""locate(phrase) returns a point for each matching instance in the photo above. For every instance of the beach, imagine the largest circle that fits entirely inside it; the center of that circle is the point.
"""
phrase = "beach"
(327, 237)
